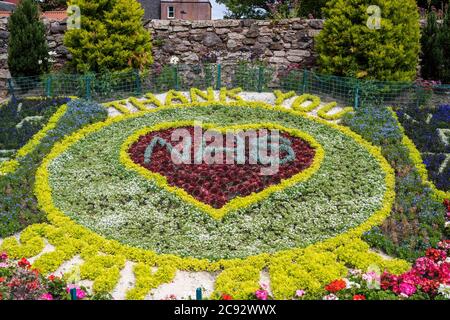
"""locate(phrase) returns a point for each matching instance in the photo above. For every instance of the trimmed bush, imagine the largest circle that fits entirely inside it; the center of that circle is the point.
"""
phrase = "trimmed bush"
(348, 47)
(111, 38)
(28, 50)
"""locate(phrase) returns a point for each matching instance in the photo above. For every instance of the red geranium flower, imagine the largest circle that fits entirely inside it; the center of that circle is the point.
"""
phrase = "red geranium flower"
(226, 297)
(359, 297)
(436, 254)
(2, 279)
(24, 263)
(336, 285)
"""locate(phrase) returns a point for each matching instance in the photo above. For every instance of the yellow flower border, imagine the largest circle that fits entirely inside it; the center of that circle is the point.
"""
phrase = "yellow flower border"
(236, 203)
(323, 112)
(297, 104)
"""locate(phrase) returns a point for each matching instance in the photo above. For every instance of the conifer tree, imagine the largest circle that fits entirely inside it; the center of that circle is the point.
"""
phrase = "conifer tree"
(28, 50)
(444, 42)
(111, 37)
(431, 51)
(347, 46)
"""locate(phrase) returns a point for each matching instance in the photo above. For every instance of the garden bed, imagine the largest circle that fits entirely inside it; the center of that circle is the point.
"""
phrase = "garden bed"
(132, 227)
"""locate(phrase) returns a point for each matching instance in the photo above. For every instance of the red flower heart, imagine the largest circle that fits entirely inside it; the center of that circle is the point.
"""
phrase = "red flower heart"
(217, 184)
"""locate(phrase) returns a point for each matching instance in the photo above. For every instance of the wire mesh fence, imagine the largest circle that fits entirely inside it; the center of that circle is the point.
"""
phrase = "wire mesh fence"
(249, 77)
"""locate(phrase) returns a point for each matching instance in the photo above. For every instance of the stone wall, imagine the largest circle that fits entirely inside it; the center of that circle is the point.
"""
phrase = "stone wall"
(278, 43)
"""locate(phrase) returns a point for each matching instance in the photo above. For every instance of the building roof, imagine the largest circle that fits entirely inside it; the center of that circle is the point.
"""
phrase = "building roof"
(7, 6)
(55, 15)
(51, 15)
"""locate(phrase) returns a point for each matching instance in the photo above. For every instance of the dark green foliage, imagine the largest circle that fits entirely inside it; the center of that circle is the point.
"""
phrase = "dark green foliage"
(49, 5)
(261, 9)
(427, 127)
(432, 54)
(436, 48)
(313, 7)
(444, 40)
(28, 50)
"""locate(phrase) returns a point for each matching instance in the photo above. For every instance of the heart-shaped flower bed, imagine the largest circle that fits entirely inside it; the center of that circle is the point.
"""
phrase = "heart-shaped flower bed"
(218, 184)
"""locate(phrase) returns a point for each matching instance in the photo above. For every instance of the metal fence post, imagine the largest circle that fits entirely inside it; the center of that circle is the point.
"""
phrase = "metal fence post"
(198, 294)
(88, 95)
(260, 78)
(48, 86)
(356, 99)
(138, 83)
(219, 77)
(73, 294)
(175, 75)
(11, 89)
(305, 81)
(419, 95)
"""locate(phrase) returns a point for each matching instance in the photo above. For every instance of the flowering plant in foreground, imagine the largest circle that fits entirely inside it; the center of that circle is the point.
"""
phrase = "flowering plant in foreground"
(19, 281)
(429, 278)
(263, 293)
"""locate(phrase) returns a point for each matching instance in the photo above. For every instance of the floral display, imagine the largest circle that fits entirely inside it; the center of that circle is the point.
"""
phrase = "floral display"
(429, 278)
(306, 225)
(19, 280)
(431, 138)
(18, 208)
(133, 211)
(418, 218)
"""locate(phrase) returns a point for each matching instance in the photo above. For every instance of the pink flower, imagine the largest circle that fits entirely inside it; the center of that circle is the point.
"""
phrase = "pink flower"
(407, 289)
(300, 293)
(261, 294)
(3, 256)
(331, 297)
(371, 276)
(46, 296)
